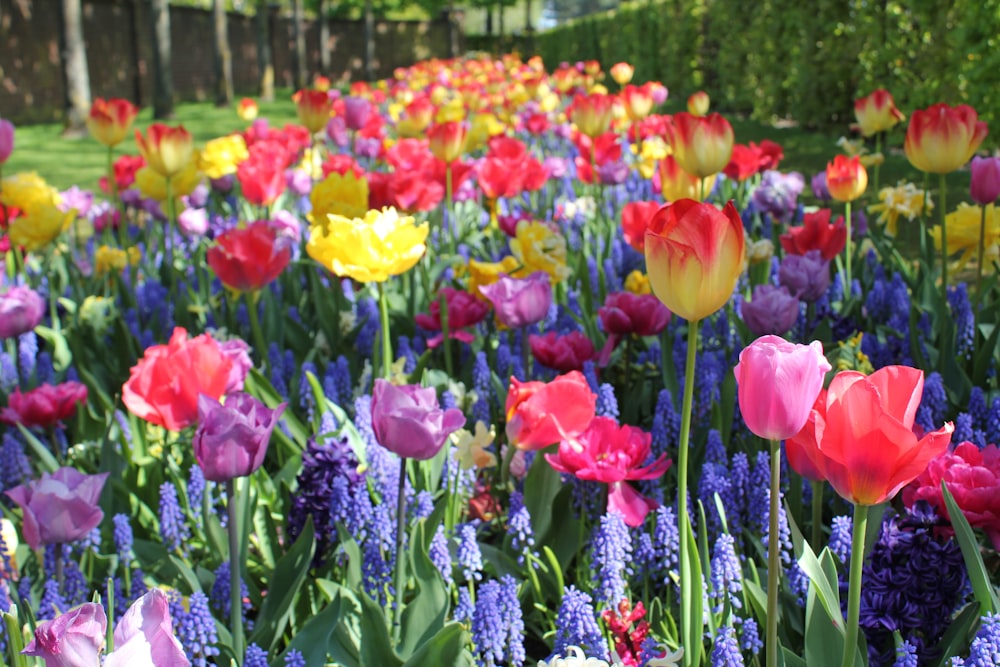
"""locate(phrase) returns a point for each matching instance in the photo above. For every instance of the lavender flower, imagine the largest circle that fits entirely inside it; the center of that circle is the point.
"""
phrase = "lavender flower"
(173, 528)
(255, 657)
(726, 651)
(440, 555)
(576, 625)
(840, 538)
(497, 625)
(195, 628)
(727, 574)
(470, 558)
(610, 553)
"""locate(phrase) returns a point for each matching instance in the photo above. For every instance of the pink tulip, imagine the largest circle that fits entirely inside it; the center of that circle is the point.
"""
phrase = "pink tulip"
(6, 140)
(232, 438)
(562, 353)
(613, 454)
(60, 507)
(985, 185)
(21, 310)
(145, 636)
(71, 639)
(778, 384)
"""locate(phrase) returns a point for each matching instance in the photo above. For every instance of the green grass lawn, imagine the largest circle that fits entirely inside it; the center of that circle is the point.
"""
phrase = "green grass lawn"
(66, 162)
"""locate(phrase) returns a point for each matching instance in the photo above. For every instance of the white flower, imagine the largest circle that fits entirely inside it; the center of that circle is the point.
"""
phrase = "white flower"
(576, 658)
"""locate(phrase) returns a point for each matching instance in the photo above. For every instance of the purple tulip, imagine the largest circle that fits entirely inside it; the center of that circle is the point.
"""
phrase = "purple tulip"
(239, 353)
(337, 132)
(71, 639)
(6, 139)
(612, 173)
(985, 185)
(772, 311)
(232, 438)
(60, 507)
(778, 194)
(145, 635)
(299, 182)
(21, 310)
(409, 421)
(193, 221)
(806, 276)
(76, 199)
(520, 302)
(356, 111)
(368, 147)
(819, 187)
(223, 184)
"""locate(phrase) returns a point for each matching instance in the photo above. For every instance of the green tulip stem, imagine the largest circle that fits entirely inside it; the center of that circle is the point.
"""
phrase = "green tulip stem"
(848, 251)
(445, 319)
(258, 334)
(400, 527)
(110, 635)
(383, 307)
(878, 151)
(854, 590)
(688, 588)
(235, 569)
(980, 297)
(168, 245)
(773, 557)
(817, 514)
(944, 239)
(452, 233)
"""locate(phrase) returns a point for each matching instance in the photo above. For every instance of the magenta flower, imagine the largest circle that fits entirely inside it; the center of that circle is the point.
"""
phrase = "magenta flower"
(232, 438)
(71, 639)
(985, 184)
(614, 455)
(356, 112)
(520, 302)
(464, 310)
(408, 420)
(238, 352)
(778, 383)
(145, 636)
(59, 507)
(6, 139)
(562, 353)
(46, 405)
(21, 310)
(624, 314)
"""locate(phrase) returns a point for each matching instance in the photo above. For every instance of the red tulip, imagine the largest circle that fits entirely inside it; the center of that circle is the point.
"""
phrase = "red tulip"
(540, 414)
(846, 178)
(638, 101)
(592, 113)
(262, 179)
(45, 405)
(860, 436)
(447, 140)
(163, 387)
(167, 150)
(110, 120)
(313, 108)
(246, 259)
(816, 233)
(702, 145)
(635, 219)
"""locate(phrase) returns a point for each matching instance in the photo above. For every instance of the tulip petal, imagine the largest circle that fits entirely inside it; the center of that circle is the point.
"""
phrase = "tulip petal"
(628, 502)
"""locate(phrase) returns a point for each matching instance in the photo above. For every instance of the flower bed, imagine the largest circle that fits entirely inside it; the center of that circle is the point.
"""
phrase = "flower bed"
(487, 365)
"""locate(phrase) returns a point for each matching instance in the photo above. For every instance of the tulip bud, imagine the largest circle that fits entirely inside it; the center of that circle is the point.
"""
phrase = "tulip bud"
(985, 185)
(846, 178)
(698, 103)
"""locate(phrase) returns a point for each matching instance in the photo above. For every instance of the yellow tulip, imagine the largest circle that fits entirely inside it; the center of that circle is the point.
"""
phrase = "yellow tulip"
(221, 156)
(26, 190)
(538, 248)
(963, 234)
(487, 273)
(368, 249)
(39, 226)
(637, 282)
(154, 186)
(345, 195)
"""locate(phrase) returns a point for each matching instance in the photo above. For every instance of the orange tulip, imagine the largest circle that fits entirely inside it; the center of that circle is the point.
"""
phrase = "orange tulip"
(110, 120)
(698, 103)
(592, 113)
(313, 108)
(247, 109)
(167, 150)
(694, 256)
(942, 138)
(675, 183)
(846, 178)
(876, 113)
(447, 140)
(702, 145)
(622, 73)
(638, 101)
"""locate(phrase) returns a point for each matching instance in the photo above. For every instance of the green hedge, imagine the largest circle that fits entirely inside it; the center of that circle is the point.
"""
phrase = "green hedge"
(802, 60)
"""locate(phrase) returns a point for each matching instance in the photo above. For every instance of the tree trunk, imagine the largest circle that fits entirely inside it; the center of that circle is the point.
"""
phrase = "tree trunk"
(369, 41)
(301, 71)
(265, 59)
(452, 30)
(163, 76)
(75, 68)
(223, 56)
(324, 39)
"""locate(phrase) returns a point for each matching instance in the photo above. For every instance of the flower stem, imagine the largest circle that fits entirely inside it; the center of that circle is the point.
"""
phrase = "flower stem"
(258, 334)
(773, 557)
(848, 251)
(878, 151)
(235, 569)
(525, 354)
(445, 318)
(400, 527)
(979, 264)
(452, 230)
(688, 588)
(854, 590)
(944, 239)
(383, 307)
